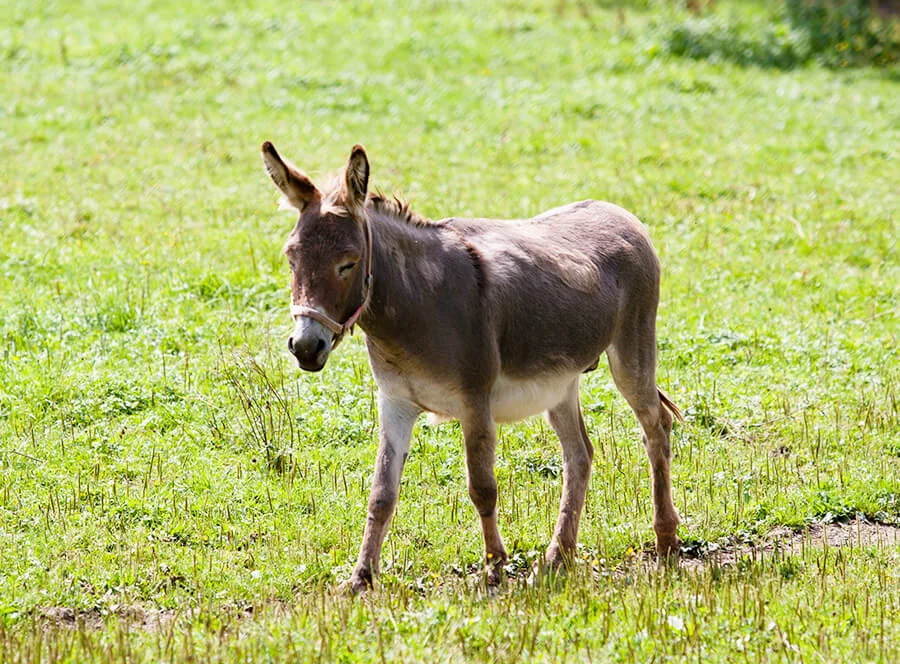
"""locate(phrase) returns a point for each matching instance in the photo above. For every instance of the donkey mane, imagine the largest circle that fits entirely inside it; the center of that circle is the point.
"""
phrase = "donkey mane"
(395, 206)
(389, 205)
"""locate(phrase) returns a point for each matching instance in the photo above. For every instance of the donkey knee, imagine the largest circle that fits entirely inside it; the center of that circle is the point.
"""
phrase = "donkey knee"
(484, 497)
(657, 426)
(381, 505)
(577, 467)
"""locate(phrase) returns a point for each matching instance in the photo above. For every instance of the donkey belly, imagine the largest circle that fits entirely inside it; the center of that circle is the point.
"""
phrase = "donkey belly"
(513, 399)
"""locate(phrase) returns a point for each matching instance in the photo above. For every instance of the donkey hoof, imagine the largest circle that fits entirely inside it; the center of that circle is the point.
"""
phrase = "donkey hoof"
(357, 584)
(555, 559)
(493, 575)
(668, 549)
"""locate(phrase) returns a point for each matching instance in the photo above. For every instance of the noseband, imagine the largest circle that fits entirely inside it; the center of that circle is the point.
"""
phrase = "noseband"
(340, 329)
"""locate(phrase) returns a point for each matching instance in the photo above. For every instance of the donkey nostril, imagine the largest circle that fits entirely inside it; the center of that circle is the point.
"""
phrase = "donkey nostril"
(320, 346)
(291, 344)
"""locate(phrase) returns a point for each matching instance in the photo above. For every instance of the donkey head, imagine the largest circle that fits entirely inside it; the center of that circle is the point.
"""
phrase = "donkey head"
(328, 252)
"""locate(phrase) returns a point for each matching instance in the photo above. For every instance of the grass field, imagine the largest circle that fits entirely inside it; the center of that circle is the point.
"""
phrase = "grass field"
(172, 488)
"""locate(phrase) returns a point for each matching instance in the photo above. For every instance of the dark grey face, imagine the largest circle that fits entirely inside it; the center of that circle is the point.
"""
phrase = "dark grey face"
(325, 255)
(310, 343)
(324, 251)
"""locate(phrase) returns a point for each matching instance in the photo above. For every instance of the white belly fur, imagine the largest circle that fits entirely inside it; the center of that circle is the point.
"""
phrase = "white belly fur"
(512, 399)
(515, 399)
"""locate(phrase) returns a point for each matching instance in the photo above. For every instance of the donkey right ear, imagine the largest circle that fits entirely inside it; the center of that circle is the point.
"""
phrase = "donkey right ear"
(296, 187)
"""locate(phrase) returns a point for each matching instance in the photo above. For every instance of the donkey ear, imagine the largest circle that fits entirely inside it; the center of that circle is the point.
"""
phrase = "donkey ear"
(296, 187)
(356, 179)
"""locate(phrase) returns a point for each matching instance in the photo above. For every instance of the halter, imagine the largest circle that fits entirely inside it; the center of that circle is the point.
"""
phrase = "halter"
(340, 329)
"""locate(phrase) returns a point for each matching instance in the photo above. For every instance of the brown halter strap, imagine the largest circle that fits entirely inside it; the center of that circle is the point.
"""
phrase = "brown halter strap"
(340, 329)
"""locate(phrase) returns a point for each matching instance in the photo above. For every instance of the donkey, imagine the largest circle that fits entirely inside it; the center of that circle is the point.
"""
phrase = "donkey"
(484, 321)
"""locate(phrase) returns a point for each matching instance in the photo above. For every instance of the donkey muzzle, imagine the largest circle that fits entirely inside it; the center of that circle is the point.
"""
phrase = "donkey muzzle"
(310, 344)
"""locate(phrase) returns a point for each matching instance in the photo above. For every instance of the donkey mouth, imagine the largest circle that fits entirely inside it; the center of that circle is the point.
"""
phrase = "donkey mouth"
(315, 362)
(317, 365)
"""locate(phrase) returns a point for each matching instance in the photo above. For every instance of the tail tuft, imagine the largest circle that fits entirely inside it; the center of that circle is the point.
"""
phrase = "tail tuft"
(670, 405)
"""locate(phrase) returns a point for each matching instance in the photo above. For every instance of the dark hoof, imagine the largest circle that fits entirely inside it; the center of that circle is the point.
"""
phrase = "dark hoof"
(493, 575)
(493, 569)
(355, 585)
(550, 570)
(668, 549)
(555, 559)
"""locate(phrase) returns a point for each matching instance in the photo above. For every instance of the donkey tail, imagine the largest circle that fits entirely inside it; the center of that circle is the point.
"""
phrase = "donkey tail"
(670, 405)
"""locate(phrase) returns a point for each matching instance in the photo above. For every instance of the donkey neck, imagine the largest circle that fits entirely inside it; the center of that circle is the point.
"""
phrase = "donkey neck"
(419, 269)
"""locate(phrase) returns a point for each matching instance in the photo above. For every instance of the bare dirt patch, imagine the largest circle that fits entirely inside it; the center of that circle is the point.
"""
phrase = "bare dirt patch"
(856, 534)
(65, 617)
(138, 618)
(730, 551)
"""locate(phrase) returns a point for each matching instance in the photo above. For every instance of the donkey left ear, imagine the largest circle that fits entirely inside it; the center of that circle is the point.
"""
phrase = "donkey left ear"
(299, 191)
(356, 179)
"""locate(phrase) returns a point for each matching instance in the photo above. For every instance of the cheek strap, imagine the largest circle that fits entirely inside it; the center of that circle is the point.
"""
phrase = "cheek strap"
(339, 329)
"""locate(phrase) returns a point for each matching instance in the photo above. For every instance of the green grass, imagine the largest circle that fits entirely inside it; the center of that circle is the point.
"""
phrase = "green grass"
(160, 451)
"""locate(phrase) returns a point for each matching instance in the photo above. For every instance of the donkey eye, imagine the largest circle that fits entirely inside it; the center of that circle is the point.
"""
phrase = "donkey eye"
(346, 267)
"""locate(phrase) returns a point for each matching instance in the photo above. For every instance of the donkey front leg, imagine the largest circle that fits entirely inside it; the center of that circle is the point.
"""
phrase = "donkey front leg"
(396, 419)
(481, 441)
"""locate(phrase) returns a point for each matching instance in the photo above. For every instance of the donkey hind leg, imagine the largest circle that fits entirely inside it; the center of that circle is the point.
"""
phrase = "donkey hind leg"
(481, 441)
(633, 367)
(396, 420)
(578, 453)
